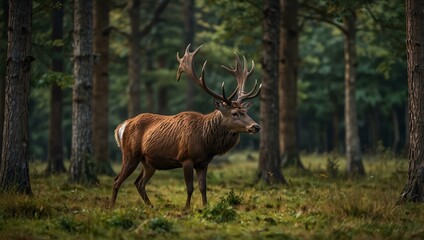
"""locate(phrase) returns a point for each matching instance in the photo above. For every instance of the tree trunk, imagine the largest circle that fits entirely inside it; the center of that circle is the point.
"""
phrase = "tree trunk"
(162, 92)
(101, 89)
(289, 42)
(414, 189)
(55, 155)
(355, 166)
(14, 170)
(3, 55)
(81, 170)
(134, 65)
(188, 14)
(149, 83)
(336, 132)
(373, 129)
(396, 132)
(269, 150)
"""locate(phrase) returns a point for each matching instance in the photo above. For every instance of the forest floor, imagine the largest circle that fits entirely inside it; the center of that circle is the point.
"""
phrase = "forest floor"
(317, 204)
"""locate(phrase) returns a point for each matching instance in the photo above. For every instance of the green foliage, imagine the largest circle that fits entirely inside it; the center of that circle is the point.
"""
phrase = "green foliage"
(160, 225)
(332, 167)
(62, 79)
(17, 206)
(220, 213)
(232, 199)
(120, 221)
(314, 206)
(69, 224)
(224, 210)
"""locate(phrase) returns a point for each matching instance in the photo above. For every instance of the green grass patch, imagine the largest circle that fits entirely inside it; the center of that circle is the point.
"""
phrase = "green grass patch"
(320, 203)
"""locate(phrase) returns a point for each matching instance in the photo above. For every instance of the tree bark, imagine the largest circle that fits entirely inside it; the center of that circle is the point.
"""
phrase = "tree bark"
(14, 169)
(150, 94)
(101, 89)
(373, 129)
(162, 92)
(414, 189)
(3, 55)
(289, 42)
(55, 155)
(355, 166)
(81, 170)
(269, 170)
(134, 65)
(396, 132)
(188, 14)
(336, 132)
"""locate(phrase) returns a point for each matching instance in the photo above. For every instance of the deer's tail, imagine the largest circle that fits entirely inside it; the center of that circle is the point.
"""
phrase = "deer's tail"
(119, 133)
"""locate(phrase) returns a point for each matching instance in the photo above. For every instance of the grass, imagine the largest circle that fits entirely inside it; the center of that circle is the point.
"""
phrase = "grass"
(320, 204)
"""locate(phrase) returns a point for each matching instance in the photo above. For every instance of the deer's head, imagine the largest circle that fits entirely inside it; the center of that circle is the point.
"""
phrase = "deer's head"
(234, 111)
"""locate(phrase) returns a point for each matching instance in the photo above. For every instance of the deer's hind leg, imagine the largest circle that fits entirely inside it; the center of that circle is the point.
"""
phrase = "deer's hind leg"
(129, 164)
(142, 179)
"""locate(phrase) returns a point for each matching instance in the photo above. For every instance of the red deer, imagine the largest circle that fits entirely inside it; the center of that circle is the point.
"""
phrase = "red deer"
(189, 139)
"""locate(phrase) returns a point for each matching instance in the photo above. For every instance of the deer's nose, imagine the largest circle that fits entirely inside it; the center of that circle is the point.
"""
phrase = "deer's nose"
(254, 128)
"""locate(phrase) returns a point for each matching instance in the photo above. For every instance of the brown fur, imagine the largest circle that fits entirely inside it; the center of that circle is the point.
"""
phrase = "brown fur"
(188, 139)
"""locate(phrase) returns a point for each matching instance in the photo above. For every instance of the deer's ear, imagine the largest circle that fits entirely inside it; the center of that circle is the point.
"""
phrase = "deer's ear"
(220, 105)
(247, 105)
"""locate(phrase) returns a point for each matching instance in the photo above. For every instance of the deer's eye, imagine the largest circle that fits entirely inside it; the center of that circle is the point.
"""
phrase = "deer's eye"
(234, 115)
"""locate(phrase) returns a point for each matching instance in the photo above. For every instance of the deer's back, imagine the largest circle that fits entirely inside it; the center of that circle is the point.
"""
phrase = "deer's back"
(166, 140)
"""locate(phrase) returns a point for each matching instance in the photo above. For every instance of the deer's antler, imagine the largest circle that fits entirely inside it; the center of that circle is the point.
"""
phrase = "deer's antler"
(187, 66)
(241, 76)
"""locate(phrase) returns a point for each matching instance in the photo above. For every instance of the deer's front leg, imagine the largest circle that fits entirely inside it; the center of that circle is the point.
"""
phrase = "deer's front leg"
(201, 180)
(188, 176)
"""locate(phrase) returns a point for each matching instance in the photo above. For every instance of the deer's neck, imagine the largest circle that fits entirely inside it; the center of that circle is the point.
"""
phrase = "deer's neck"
(218, 137)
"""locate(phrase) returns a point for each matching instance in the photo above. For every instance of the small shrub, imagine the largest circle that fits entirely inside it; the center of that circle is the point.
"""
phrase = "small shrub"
(120, 221)
(68, 224)
(160, 225)
(232, 199)
(221, 212)
(332, 167)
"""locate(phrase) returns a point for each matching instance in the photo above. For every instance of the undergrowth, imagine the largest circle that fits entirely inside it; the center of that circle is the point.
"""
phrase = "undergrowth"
(320, 203)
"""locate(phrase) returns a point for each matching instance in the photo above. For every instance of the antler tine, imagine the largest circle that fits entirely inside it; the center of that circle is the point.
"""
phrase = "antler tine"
(241, 73)
(186, 64)
(210, 92)
(253, 93)
(250, 96)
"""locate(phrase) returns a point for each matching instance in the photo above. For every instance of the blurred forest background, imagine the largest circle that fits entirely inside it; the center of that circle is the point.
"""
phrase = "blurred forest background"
(224, 27)
(335, 86)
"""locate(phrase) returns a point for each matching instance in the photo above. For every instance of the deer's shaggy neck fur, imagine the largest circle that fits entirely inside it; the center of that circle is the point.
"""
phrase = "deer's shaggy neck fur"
(217, 135)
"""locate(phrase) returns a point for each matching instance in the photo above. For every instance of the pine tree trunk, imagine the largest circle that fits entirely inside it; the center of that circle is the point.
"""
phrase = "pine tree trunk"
(396, 132)
(55, 155)
(101, 89)
(373, 129)
(269, 170)
(336, 132)
(3, 55)
(355, 166)
(150, 93)
(414, 189)
(188, 14)
(162, 92)
(134, 65)
(14, 170)
(289, 42)
(81, 170)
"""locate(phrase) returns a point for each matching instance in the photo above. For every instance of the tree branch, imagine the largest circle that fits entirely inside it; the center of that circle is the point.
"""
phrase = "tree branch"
(323, 16)
(107, 30)
(159, 9)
